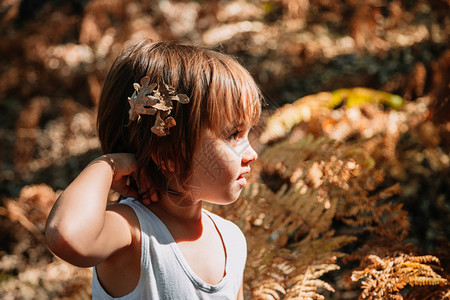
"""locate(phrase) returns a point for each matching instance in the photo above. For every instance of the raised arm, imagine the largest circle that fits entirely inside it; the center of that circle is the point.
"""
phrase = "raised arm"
(79, 228)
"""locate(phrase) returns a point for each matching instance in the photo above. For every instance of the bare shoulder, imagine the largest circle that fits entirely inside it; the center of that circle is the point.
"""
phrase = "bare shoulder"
(125, 213)
(225, 223)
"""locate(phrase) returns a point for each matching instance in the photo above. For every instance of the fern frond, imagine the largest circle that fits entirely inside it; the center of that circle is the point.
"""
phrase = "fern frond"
(287, 116)
(268, 289)
(274, 265)
(288, 221)
(387, 276)
(306, 284)
(422, 280)
(360, 95)
(425, 259)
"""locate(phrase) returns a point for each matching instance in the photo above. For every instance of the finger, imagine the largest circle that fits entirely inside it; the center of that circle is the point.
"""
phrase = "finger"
(147, 196)
(127, 169)
(125, 163)
(126, 191)
(146, 200)
(123, 188)
(154, 195)
(119, 183)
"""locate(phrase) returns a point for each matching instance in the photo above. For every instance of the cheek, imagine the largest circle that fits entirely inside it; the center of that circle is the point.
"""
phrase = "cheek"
(227, 158)
(217, 164)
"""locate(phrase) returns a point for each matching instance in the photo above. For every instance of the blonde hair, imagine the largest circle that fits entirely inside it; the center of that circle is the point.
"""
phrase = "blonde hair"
(221, 92)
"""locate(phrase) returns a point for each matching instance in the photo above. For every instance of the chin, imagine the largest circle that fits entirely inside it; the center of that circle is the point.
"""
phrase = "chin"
(224, 200)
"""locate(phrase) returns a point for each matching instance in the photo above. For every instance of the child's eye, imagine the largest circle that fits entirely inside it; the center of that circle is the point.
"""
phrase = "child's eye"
(235, 135)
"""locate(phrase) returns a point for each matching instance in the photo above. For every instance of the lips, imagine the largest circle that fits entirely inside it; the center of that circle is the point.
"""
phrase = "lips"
(243, 173)
(241, 179)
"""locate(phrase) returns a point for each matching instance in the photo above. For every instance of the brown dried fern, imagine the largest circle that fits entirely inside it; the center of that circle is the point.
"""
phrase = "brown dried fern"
(385, 278)
(313, 182)
(290, 244)
(288, 231)
(305, 285)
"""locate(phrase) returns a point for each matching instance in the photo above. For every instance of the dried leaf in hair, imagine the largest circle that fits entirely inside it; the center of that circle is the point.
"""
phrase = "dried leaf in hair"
(170, 122)
(149, 99)
(161, 127)
(169, 94)
(142, 102)
(158, 128)
(162, 106)
(182, 98)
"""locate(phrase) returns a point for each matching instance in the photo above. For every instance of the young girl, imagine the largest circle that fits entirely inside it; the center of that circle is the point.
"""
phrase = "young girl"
(173, 122)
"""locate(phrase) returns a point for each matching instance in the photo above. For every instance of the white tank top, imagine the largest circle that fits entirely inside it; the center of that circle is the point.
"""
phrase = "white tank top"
(165, 274)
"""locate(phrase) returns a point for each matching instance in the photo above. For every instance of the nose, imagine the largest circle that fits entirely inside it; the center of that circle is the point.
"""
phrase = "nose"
(249, 155)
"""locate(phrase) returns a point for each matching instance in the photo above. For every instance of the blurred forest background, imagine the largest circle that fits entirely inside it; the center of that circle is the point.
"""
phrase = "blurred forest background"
(350, 196)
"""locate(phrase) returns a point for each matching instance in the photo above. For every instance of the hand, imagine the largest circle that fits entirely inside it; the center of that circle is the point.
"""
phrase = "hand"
(125, 167)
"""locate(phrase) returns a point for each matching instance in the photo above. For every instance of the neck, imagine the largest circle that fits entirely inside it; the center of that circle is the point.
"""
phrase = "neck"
(182, 216)
(177, 208)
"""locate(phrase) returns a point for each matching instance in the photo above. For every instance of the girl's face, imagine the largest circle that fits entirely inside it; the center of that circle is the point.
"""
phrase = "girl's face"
(219, 165)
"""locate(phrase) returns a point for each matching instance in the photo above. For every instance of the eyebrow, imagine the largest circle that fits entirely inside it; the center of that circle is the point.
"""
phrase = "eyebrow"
(229, 128)
(240, 125)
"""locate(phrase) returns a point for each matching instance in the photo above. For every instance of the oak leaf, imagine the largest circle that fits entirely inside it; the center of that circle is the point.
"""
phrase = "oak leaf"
(149, 99)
